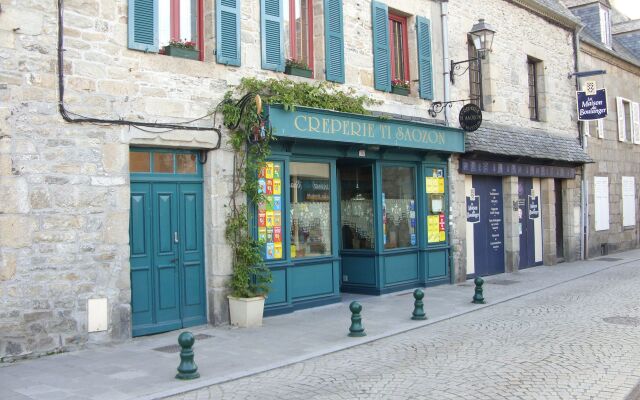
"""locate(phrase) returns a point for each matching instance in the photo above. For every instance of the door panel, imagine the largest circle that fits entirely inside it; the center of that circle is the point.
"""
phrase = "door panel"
(141, 257)
(488, 233)
(527, 232)
(192, 254)
(166, 257)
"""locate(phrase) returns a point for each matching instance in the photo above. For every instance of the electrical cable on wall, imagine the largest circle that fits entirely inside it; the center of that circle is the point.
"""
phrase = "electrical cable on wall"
(73, 117)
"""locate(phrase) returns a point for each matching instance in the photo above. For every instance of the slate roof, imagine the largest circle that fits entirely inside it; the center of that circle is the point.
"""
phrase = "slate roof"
(557, 7)
(525, 143)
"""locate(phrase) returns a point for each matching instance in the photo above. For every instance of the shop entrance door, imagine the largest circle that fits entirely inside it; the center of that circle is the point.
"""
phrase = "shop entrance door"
(488, 233)
(526, 221)
(166, 246)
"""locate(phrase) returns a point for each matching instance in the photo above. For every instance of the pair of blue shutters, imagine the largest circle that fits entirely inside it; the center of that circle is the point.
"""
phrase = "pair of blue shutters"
(272, 28)
(143, 33)
(143, 28)
(382, 51)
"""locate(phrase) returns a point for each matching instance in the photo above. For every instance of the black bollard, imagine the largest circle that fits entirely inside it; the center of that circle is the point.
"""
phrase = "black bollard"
(187, 368)
(478, 298)
(418, 305)
(356, 329)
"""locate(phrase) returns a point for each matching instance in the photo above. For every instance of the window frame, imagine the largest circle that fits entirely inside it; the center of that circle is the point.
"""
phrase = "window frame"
(534, 109)
(405, 46)
(605, 26)
(473, 53)
(416, 198)
(174, 24)
(292, 32)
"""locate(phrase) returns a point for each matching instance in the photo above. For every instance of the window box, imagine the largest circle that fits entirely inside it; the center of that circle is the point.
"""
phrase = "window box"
(400, 90)
(305, 73)
(182, 52)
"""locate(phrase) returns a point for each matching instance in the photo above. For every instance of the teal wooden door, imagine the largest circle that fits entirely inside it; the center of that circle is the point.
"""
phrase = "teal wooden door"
(167, 254)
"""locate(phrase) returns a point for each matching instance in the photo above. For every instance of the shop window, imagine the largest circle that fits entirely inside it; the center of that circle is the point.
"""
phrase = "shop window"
(270, 220)
(399, 50)
(532, 66)
(298, 38)
(356, 207)
(310, 202)
(436, 205)
(171, 27)
(399, 207)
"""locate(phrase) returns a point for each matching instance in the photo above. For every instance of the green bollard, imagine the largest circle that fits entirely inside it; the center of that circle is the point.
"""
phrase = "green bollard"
(187, 368)
(356, 329)
(418, 305)
(478, 298)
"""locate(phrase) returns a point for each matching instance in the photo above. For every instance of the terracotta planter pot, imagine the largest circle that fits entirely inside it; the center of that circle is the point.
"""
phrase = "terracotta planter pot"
(246, 312)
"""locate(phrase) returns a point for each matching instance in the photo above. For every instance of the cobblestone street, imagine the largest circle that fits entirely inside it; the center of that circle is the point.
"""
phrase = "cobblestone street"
(577, 340)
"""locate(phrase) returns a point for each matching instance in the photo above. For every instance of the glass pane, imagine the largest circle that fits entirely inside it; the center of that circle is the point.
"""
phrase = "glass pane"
(139, 161)
(164, 22)
(286, 20)
(398, 207)
(356, 207)
(186, 163)
(270, 221)
(188, 20)
(296, 27)
(163, 162)
(310, 210)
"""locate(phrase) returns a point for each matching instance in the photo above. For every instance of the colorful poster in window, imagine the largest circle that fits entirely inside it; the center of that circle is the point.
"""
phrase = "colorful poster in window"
(442, 228)
(433, 228)
(270, 211)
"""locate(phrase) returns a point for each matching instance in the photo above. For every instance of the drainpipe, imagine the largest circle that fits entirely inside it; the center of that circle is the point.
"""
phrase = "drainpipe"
(444, 17)
(584, 199)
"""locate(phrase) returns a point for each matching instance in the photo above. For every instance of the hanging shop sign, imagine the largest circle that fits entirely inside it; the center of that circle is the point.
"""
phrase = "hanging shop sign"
(470, 117)
(534, 207)
(317, 124)
(592, 106)
(498, 168)
(473, 209)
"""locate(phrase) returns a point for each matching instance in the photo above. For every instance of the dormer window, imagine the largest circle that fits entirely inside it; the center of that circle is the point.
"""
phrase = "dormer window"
(605, 25)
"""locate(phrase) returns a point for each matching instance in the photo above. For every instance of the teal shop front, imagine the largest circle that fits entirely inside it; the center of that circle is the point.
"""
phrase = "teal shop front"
(353, 204)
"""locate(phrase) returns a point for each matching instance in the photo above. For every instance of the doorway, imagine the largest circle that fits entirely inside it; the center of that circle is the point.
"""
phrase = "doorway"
(528, 213)
(166, 241)
(488, 232)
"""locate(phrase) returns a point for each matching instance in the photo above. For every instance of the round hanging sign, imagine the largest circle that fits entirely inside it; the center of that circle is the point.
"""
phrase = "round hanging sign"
(470, 117)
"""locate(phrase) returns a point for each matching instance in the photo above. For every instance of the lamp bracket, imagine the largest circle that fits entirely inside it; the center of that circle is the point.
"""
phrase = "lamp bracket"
(438, 106)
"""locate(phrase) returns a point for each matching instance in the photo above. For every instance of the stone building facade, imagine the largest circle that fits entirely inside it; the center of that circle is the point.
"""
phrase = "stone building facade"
(612, 182)
(534, 34)
(65, 188)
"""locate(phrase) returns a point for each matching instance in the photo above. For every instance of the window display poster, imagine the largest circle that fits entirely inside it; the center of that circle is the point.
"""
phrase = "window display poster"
(433, 228)
(270, 211)
(435, 183)
(442, 228)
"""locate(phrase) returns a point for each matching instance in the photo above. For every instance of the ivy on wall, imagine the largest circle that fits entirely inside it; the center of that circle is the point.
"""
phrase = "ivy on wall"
(251, 277)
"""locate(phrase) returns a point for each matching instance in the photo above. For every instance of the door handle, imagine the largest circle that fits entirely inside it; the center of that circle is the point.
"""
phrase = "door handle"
(175, 237)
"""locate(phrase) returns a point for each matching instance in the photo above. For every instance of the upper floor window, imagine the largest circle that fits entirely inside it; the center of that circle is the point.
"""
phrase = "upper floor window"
(605, 26)
(628, 120)
(532, 66)
(475, 76)
(298, 27)
(171, 27)
(399, 48)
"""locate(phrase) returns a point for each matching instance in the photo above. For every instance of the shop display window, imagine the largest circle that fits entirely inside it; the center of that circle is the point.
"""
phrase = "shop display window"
(399, 207)
(436, 219)
(356, 207)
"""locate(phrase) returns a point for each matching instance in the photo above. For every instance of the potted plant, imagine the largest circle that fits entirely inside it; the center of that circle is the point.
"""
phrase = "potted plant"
(297, 68)
(399, 86)
(182, 49)
(250, 278)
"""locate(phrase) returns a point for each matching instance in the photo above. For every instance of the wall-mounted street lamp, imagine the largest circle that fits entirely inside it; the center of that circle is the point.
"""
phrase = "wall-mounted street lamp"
(482, 36)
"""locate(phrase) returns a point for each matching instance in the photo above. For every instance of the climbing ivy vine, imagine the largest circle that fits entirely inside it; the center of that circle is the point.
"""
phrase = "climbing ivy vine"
(251, 277)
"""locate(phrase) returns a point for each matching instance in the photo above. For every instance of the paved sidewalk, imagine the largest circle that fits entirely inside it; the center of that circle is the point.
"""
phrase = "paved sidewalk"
(137, 370)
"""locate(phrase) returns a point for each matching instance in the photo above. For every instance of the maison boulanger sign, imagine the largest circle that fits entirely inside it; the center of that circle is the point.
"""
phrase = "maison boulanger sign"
(592, 106)
(319, 124)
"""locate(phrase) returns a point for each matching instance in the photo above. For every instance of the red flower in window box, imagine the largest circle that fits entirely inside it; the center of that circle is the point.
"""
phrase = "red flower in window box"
(400, 83)
(182, 49)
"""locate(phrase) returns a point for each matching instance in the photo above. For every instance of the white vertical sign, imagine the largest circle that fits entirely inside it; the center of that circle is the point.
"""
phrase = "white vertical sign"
(601, 202)
(628, 201)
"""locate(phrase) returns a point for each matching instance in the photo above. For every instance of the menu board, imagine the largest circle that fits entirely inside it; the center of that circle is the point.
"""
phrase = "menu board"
(270, 211)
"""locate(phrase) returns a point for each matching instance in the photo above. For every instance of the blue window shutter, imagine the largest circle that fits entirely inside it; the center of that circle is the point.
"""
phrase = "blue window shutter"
(423, 27)
(381, 49)
(228, 32)
(272, 39)
(334, 40)
(143, 25)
